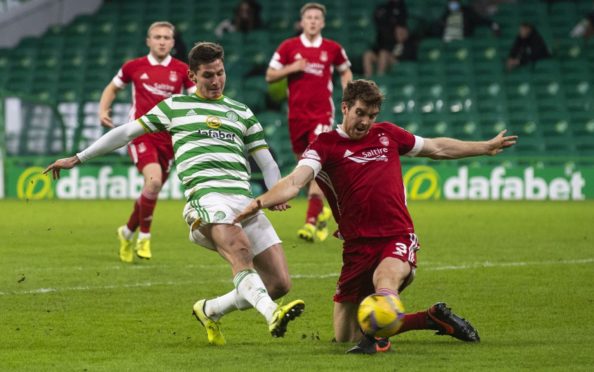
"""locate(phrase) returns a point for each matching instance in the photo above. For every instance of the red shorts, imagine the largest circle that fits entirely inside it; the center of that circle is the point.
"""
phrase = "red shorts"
(304, 131)
(147, 149)
(360, 258)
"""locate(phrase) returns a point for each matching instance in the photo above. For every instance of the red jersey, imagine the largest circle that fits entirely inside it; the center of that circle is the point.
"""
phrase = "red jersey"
(362, 179)
(152, 82)
(310, 91)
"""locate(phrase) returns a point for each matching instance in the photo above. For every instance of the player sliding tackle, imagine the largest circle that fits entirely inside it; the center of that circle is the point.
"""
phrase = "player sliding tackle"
(358, 168)
(211, 135)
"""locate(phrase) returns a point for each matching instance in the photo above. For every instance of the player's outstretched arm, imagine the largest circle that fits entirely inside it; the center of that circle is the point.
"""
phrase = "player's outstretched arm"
(450, 148)
(107, 98)
(65, 163)
(286, 189)
(108, 142)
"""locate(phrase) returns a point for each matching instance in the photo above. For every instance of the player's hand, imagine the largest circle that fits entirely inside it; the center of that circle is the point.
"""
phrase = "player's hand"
(499, 142)
(105, 118)
(299, 65)
(65, 163)
(249, 211)
(280, 207)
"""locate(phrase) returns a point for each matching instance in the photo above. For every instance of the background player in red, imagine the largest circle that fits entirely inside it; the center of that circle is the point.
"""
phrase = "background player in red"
(154, 77)
(308, 62)
(358, 167)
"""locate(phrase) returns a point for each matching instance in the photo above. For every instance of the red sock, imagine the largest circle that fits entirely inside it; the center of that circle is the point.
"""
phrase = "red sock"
(147, 203)
(414, 321)
(133, 220)
(315, 204)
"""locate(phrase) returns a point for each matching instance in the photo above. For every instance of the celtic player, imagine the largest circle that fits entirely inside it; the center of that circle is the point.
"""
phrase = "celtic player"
(211, 134)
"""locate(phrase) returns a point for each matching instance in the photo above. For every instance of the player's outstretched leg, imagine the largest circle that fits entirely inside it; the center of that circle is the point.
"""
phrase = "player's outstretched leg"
(441, 318)
(126, 254)
(213, 329)
(283, 315)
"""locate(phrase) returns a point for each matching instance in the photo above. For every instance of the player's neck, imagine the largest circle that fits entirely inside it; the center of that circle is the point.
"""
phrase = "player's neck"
(159, 59)
(312, 38)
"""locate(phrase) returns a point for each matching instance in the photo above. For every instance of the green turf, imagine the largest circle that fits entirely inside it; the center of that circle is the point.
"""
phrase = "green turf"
(523, 273)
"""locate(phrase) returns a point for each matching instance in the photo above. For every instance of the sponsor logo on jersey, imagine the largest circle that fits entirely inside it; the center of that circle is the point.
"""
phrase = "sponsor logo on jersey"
(144, 76)
(314, 69)
(159, 89)
(213, 122)
(141, 147)
(369, 155)
(324, 56)
(217, 134)
(172, 76)
(232, 115)
(347, 153)
(311, 154)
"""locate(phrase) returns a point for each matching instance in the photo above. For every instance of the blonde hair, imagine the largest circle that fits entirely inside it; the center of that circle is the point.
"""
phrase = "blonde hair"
(318, 6)
(160, 24)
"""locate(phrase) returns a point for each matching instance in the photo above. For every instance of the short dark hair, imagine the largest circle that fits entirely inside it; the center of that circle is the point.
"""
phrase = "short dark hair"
(204, 52)
(317, 6)
(364, 90)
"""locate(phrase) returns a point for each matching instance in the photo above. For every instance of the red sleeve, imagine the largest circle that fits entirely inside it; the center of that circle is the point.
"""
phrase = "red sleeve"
(340, 55)
(405, 139)
(125, 73)
(187, 82)
(283, 52)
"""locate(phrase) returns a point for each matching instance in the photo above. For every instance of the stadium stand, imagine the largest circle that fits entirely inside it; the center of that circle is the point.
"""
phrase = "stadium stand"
(456, 89)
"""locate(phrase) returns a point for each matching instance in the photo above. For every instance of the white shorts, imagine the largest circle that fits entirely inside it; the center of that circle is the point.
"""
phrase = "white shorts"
(222, 208)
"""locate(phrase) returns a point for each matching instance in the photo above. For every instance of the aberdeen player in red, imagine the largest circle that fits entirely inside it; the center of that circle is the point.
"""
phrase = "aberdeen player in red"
(308, 61)
(358, 167)
(154, 77)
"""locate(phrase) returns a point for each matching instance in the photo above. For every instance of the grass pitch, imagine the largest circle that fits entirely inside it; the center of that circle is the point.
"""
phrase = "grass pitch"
(522, 272)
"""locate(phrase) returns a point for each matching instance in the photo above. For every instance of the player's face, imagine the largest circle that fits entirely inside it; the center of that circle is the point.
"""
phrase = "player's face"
(210, 79)
(312, 22)
(357, 120)
(160, 41)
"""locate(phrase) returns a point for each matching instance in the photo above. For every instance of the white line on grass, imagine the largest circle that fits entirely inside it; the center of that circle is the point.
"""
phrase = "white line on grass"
(486, 264)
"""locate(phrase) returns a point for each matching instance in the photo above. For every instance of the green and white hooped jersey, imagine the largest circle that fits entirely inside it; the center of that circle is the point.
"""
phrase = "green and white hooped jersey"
(211, 139)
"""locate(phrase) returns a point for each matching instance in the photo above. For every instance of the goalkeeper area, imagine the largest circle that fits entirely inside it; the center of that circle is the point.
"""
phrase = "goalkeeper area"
(521, 272)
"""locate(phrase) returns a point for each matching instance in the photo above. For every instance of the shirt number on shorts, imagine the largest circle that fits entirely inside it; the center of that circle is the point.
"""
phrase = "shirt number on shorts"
(401, 249)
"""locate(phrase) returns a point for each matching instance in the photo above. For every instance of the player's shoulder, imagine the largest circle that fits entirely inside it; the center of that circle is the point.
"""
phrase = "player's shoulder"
(329, 43)
(178, 64)
(388, 126)
(327, 138)
(234, 104)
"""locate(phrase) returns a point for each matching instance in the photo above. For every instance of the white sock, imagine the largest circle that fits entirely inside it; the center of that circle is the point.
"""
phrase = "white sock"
(219, 306)
(249, 285)
(127, 232)
(142, 235)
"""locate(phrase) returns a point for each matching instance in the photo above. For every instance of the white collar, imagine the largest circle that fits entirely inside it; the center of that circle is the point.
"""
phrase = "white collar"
(311, 44)
(153, 61)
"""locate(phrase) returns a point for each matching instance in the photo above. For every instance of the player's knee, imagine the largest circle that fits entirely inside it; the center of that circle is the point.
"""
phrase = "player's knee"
(153, 185)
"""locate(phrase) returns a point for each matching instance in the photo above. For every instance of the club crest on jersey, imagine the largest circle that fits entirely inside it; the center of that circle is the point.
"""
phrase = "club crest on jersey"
(384, 140)
(324, 56)
(213, 122)
(173, 76)
(231, 115)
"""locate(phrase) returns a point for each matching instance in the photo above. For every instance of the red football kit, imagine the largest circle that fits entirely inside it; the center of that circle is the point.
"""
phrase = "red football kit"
(362, 180)
(311, 108)
(152, 82)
